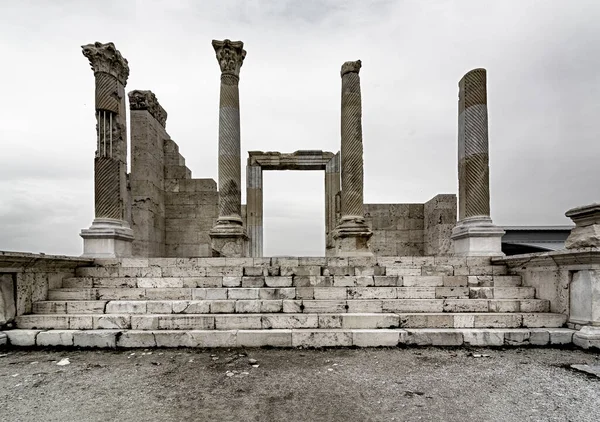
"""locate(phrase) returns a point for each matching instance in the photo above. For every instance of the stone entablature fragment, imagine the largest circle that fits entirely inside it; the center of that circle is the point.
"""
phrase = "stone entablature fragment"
(146, 100)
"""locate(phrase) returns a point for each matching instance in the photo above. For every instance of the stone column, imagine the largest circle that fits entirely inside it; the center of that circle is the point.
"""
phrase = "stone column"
(110, 234)
(254, 209)
(332, 188)
(228, 237)
(474, 234)
(352, 234)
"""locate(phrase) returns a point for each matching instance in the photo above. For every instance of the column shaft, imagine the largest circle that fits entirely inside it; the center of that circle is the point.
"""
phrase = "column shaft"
(230, 196)
(474, 234)
(352, 146)
(473, 159)
(352, 234)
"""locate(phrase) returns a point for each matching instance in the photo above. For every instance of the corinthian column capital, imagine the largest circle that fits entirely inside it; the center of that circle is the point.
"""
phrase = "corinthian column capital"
(106, 58)
(230, 55)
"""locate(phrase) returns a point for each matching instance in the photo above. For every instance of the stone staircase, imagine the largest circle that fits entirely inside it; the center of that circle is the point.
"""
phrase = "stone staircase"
(289, 302)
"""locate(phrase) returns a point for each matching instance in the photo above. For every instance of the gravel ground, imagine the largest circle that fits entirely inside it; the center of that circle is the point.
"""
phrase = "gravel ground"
(425, 384)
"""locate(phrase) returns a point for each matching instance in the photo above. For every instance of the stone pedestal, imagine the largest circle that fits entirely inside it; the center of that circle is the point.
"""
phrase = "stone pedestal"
(587, 338)
(351, 235)
(477, 236)
(110, 234)
(586, 233)
(474, 234)
(229, 241)
(228, 236)
(107, 238)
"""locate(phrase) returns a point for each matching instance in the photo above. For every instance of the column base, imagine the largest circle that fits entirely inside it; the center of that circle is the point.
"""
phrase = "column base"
(351, 238)
(229, 240)
(586, 233)
(107, 238)
(477, 236)
(587, 337)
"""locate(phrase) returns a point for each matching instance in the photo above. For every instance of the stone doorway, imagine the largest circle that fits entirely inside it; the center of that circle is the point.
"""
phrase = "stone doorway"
(299, 160)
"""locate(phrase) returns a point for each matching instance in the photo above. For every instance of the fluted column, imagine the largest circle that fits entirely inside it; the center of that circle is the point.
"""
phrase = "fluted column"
(229, 236)
(352, 233)
(474, 234)
(110, 234)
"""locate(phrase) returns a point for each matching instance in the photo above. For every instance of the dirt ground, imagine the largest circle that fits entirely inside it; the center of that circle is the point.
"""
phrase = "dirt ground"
(420, 384)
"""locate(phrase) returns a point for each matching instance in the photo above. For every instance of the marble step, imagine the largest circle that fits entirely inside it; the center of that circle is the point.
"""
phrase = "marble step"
(288, 306)
(317, 293)
(192, 281)
(291, 338)
(295, 321)
(402, 261)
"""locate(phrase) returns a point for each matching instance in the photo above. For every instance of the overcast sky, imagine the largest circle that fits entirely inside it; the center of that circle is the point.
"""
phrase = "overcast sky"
(542, 57)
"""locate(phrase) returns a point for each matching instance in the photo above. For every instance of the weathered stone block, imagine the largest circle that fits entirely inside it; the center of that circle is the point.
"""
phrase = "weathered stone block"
(427, 321)
(413, 305)
(376, 338)
(292, 306)
(257, 281)
(434, 337)
(126, 307)
(321, 338)
(498, 321)
(105, 339)
(60, 338)
(309, 281)
(111, 322)
(484, 338)
(272, 338)
(330, 321)
(290, 321)
(330, 293)
(370, 321)
(415, 292)
(278, 281)
(324, 306)
(242, 293)
(22, 337)
(134, 339)
(452, 292)
(423, 281)
(222, 306)
(238, 322)
(372, 293)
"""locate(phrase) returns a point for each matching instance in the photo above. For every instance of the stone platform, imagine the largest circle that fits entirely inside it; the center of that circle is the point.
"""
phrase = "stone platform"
(291, 302)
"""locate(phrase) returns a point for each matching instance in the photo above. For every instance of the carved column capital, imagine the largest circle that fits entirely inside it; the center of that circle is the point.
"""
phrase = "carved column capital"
(146, 100)
(351, 67)
(230, 55)
(107, 59)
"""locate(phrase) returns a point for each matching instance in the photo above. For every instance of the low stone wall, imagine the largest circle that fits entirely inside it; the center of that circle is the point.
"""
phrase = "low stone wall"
(26, 278)
(569, 279)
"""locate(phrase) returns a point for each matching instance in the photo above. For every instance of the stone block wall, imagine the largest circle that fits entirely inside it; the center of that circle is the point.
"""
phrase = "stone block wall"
(439, 217)
(147, 184)
(171, 213)
(397, 229)
(412, 229)
(191, 211)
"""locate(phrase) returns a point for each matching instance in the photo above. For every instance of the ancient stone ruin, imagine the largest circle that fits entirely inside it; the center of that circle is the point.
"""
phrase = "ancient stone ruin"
(170, 260)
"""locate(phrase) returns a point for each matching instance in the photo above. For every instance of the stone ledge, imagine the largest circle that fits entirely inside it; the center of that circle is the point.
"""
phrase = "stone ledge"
(124, 339)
